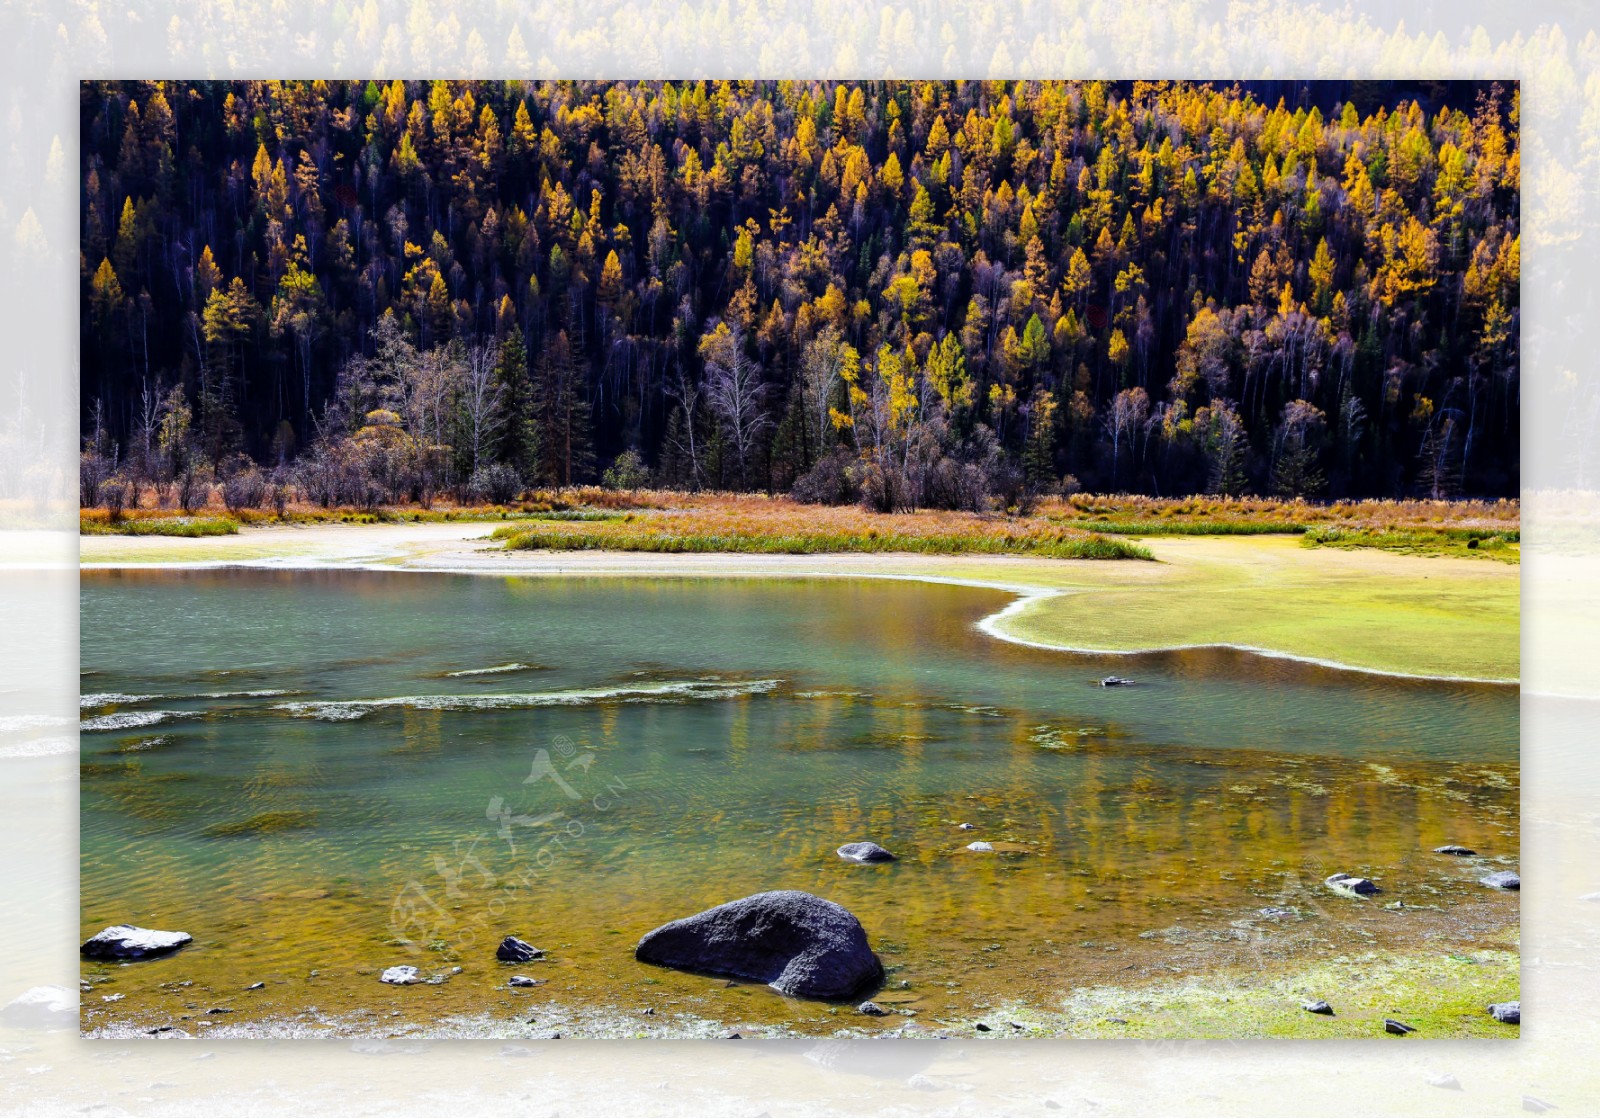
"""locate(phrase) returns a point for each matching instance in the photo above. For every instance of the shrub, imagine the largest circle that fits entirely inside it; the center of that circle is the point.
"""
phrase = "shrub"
(245, 490)
(628, 472)
(496, 484)
(114, 492)
(829, 482)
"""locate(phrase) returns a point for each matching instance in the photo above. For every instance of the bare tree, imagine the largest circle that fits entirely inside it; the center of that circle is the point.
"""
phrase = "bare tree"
(734, 391)
(687, 394)
(481, 393)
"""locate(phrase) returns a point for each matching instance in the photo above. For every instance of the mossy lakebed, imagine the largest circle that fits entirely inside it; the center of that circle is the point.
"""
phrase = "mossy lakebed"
(750, 726)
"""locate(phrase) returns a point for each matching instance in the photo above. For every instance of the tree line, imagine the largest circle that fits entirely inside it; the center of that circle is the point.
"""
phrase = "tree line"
(910, 294)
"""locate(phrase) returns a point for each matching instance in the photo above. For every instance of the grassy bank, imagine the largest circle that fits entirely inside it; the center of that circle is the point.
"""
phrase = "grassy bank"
(1378, 610)
(1468, 529)
(668, 537)
(91, 524)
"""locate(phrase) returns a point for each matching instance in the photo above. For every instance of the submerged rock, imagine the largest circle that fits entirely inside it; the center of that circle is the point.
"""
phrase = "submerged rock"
(980, 846)
(1502, 880)
(1508, 1012)
(1115, 682)
(1454, 849)
(1317, 1007)
(514, 951)
(864, 853)
(1350, 884)
(130, 942)
(796, 943)
(523, 981)
(872, 1009)
(402, 975)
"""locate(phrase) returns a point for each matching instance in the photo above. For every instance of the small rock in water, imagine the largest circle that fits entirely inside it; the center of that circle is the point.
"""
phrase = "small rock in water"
(1454, 849)
(1589, 897)
(1536, 1105)
(1502, 880)
(514, 951)
(1276, 912)
(871, 1008)
(981, 1028)
(1444, 1080)
(1114, 682)
(403, 975)
(220, 1010)
(865, 852)
(1320, 1006)
(130, 942)
(255, 986)
(967, 827)
(980, 845)
(1399, 1028)
(1508, 1012)
(522, 981)
(1349, 884)
(49, 1008)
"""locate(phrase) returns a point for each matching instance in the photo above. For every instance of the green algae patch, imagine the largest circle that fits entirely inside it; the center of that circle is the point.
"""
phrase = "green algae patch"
(263, 823)
(1441, 996)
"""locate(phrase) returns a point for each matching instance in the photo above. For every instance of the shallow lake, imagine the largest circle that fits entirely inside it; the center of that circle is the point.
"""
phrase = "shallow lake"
(323, 774)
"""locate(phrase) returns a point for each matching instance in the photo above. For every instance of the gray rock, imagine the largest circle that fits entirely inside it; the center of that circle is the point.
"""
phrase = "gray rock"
(514, 951)
(1502, 880)
(522, 981)
(1317, 1007)
(1400, 1028)
(980, 846)
(871, 1008)
(1350, 884)
(41, 1008)
(1508, 1012)
(967, 827)
(402, 975)
(1454, 849)
(255, 986)
(1276, 912)
(796, 943)
(1114, 682)
(866, 852)
(130, 942)
(1444, 1080)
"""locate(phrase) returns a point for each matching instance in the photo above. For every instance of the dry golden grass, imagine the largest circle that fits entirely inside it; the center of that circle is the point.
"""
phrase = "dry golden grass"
(754, 523)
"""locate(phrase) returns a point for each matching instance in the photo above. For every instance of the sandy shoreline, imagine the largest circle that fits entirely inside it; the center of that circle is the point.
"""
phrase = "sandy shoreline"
(1204, 592)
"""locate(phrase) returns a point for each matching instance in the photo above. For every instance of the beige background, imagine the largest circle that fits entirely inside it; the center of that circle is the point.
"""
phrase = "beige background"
(46, 47)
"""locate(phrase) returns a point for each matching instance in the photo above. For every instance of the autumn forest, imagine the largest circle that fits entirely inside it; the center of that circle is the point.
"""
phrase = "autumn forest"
(903, 294)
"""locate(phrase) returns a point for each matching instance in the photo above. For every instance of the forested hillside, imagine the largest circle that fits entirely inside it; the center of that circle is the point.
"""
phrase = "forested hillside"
(912, 294)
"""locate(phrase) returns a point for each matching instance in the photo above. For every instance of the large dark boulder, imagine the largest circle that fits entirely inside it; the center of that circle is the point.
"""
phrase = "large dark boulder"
(129, 942)
(796, 943)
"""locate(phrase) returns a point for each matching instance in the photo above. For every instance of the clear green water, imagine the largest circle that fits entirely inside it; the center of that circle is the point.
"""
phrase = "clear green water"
(389, 803)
